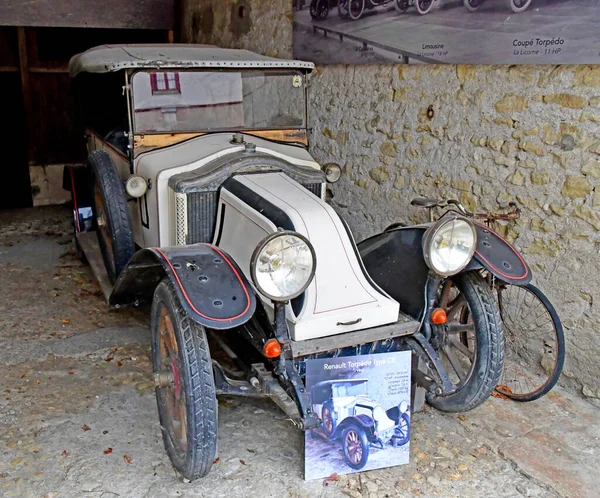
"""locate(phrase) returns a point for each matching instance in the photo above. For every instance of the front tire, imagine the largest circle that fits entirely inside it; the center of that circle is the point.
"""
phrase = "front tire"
(471, 343)
(402, 5)
(356, 447)
(518, 6)
(185, 392)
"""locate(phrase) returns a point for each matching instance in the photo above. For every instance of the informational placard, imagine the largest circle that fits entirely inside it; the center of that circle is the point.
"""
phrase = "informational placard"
(447, 31)
(364, 404)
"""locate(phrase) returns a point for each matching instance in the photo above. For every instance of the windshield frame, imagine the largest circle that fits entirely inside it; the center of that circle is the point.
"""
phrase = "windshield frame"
(131, 75)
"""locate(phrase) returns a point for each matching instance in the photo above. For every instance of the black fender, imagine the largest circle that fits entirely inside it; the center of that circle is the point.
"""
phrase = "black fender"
(210, 286)
(394, 260)
(77, 180)
(499, 257)
(363, 421)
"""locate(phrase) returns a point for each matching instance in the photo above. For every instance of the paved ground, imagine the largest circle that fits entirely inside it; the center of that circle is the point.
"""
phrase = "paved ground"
(78, 416)
(487, 36)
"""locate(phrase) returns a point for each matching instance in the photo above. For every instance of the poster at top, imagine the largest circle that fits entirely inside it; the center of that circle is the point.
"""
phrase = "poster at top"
(447, 31)
(364, 404)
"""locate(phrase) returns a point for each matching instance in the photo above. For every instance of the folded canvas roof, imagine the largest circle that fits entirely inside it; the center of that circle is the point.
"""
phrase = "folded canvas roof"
(111, 58)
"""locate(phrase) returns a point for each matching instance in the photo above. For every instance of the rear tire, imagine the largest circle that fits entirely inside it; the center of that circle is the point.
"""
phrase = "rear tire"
(472, 5)
(481, 314)
(423, 6)
(187, 403)
(535, 348)
(356, 9)
(111, 214)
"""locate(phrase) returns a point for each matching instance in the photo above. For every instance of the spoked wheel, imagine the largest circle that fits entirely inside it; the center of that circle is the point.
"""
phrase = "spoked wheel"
(535, 343)
(519, 5)
(470, 344)
(111, 214)
(328, 422)
(356, 447)
(185, 390)
(472, 5)
(319, 9)
(356, 8)
(342, 8)
(402, 5)
(424, 6)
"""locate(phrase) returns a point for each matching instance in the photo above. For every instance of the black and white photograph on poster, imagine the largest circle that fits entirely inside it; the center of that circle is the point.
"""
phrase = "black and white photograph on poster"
(447, 31)
(364, 404)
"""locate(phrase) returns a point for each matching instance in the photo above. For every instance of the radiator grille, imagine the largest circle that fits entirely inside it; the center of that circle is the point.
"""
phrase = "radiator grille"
(202, 214)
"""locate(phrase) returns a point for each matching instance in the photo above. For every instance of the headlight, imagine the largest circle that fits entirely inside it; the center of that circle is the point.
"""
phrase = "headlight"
(379, 413)
(283, 265)
(449, 245)
(136, 186)
(333, 172)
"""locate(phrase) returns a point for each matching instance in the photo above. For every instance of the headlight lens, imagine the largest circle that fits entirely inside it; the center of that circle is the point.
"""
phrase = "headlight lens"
(379, 413)
(449, 245)
(283, 265)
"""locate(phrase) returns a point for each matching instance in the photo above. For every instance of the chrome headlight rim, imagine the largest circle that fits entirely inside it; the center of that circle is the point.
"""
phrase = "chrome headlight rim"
(258, 249)
(432, 231)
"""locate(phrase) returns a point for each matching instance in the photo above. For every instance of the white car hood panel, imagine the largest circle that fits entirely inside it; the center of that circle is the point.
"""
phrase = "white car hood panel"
(159, 165)
(340, 298)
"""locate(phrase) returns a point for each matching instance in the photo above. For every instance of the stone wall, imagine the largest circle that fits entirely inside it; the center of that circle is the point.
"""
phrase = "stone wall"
(483, 134)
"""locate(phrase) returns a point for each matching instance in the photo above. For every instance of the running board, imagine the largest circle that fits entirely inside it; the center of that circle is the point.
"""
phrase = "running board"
(88, 242)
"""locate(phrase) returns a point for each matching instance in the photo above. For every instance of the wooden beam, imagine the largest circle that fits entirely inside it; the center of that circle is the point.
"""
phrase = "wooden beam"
(9, 69)
(25, 82)
(131, 14)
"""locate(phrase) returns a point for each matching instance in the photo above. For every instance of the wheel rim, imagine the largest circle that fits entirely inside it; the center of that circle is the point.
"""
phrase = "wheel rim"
(103, 226)
(173, 395)
(456, 341)
(354, 447)
(356, 8)
(475, 3)
(519, 4)
(531, 343)
(327, 420)
(425, 4)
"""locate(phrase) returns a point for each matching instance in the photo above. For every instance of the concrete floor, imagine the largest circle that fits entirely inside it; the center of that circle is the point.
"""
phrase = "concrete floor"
(78, 416)
(483, 37)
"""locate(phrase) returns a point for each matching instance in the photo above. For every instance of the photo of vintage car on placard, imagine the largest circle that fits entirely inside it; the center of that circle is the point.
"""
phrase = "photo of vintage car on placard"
(364, 406)
(350, 416)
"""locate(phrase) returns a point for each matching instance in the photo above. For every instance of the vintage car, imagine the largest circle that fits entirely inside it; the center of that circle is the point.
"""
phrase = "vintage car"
(200, 198)
(348, 414)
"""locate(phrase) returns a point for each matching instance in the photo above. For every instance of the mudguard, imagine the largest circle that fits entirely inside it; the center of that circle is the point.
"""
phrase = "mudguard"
(364, 421)
(394, 260)
(210, 286)
(498, 256)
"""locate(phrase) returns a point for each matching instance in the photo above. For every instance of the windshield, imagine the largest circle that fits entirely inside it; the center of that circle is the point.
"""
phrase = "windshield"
(349, 389)
(167, 102)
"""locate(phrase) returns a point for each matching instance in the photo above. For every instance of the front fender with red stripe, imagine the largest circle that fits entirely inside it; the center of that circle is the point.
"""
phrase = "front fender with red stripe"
(498, 256)
(210, 286)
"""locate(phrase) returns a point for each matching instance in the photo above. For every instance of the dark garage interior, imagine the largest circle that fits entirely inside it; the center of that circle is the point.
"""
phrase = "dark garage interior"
(40, 131)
